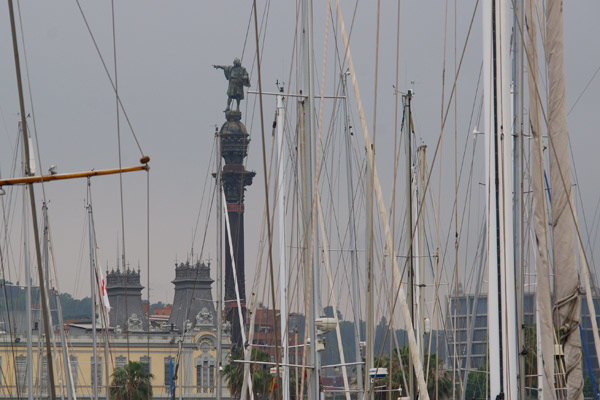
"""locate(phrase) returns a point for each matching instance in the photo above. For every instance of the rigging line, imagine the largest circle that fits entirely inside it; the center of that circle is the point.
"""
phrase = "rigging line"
(247, 31)
(397, 143)
(369, 361)
(31, 197)
(584, 90)
(460, 174)
(438, 217)
(204, 236)
(183, 331)
(263, 24)
(442, 130)
(269, 236)
(210, 160)
(112, 83)
(37, 144)
(578, 189)
(9, 319)
(116, 90)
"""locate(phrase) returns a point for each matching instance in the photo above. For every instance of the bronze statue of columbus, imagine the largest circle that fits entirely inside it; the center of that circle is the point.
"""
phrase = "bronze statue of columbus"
(238, 78)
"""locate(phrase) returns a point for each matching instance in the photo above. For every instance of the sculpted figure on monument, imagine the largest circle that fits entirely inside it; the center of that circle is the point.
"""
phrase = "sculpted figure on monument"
(134, 323)
(238, 78)
(204, 317)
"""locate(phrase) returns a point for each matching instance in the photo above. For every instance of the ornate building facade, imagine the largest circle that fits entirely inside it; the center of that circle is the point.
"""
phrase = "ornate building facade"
(129, 339)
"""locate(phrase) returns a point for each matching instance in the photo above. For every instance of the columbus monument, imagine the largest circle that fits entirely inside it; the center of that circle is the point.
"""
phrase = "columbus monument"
(234, 148)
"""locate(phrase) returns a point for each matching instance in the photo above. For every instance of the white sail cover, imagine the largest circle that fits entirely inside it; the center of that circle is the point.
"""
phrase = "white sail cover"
(543, 297)
(566, 281)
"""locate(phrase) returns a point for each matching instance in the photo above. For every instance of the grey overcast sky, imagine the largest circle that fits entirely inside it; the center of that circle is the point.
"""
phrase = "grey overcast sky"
(174, 99)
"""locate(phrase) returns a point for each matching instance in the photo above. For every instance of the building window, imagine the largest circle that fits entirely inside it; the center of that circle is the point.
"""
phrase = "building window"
(205, 377)
(96, 370)
(21, 363)
(74, 363)
(168, 361)
(120, 362)
(205, 374)
(145, 361)
(199, 378)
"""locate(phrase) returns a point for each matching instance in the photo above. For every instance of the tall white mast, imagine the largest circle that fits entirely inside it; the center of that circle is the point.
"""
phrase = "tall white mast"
(308, 217)
(499, 184)
(422, 252)
(283, 276)
(409, 231)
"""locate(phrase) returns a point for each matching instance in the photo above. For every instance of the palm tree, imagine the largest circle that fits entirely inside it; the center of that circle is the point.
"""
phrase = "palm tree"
(261, 378)
(444, 381)
(131, 383)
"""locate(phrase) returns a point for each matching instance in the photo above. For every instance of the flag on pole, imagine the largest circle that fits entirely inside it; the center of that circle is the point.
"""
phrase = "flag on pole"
(103, 295)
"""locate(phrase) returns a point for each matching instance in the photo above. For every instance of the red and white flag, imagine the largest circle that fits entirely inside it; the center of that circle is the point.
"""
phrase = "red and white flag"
(103, 294)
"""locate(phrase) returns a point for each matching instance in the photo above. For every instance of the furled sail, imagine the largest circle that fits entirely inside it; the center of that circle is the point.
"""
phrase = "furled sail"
(566, 281)
(543, 297)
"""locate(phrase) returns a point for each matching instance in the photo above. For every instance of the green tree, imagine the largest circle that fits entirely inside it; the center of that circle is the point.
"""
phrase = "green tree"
(261, 377)
(131, 383)
(477, 385)
(398, 368)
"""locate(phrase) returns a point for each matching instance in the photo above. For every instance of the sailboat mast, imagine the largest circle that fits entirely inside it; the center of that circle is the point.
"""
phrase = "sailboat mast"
(409, 227)
(28, 172)
(27, 262)
(95, 363)
(422, 152)
(519, 224)
(370, 327)
(283, 274)
(46, 255)
(352, 233)
(499, 184)
(309, 231)
(219, 272)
